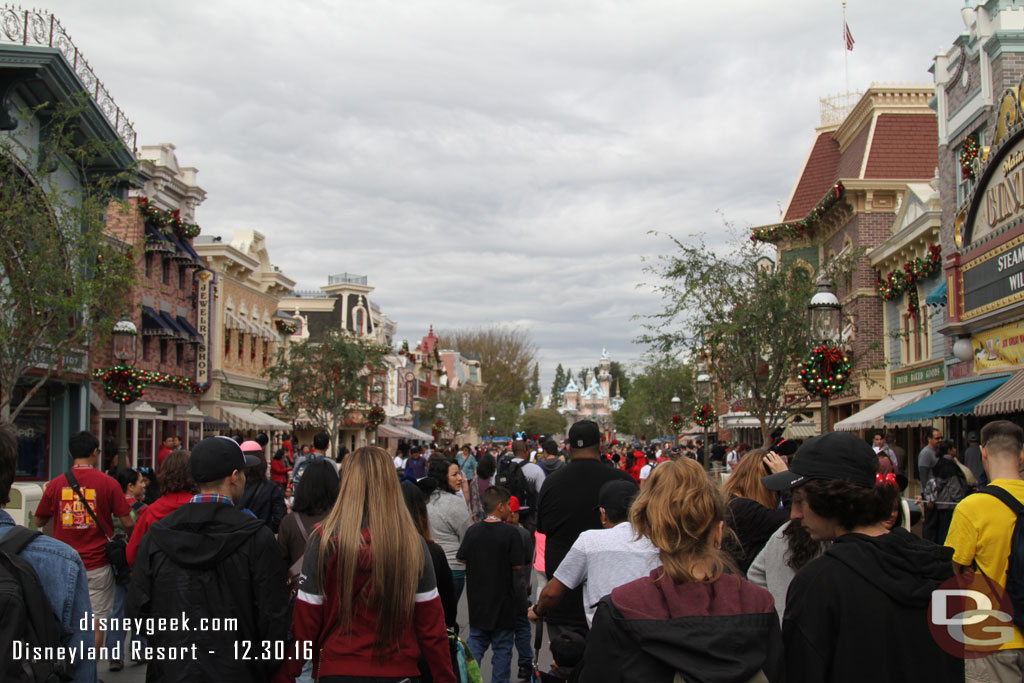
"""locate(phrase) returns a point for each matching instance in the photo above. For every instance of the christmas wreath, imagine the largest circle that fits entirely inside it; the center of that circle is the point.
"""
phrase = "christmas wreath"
(374, 418)
(122, 383)
(967, 156)
(440, 425)
(286, 327)
(825, 371)
(167, 219)
(704, 415)
(677, 422)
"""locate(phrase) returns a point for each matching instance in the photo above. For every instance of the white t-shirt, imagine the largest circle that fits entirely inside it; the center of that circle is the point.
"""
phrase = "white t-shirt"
(645, 471)
(604, 559)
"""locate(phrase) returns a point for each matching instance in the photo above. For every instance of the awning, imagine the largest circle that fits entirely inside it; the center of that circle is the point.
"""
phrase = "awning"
(801, 430)
(156, 241)
(937, 297)
(215, 424)
(1007, 399)
(958, 399)
(739, 421)
(243, 418)
(413, 433)
(191, 252)
(180, 253)
(193, 332)
(391, 432)
(154, 323)
(179, 331)
(873, 417)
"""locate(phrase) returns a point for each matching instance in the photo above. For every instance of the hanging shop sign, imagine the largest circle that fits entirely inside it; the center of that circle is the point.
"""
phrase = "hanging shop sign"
(204, 310)
(999, 347)
(914, 376)
(994, 279)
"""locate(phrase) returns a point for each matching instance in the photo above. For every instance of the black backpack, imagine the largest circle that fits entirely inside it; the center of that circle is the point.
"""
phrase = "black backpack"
(510, 476)
(297, 474)
(1015, 568)
(27, 616)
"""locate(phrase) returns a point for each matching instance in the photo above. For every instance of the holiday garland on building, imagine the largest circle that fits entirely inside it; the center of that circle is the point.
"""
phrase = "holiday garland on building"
(968, 154)
(404, 351)
(167, 219)
(906, 278)
(800, 228)
(677, 423)
(826, 371)
(374, 418)
(286, 327)
(704, 415)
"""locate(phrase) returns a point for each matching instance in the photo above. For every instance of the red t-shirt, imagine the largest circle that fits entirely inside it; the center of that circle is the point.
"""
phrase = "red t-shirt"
(72, 523)
(161, 455)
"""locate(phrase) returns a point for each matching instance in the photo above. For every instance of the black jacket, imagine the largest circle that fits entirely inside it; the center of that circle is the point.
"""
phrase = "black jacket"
(653, 628)
(211, 560)
(860, 613)
(754, 524)
(265, 500)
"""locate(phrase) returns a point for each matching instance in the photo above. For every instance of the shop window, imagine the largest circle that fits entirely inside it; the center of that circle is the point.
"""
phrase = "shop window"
(252, 350)
(144, 445)
(163, 350)
(360, 322)
(227, 343)
(33, 430)
(165, 272)
(147, 348)
(915, 337)
(149, 264)
(181, 277)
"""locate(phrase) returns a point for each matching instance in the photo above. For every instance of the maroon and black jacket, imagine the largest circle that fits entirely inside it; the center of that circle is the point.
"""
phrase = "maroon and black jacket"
(650, 629)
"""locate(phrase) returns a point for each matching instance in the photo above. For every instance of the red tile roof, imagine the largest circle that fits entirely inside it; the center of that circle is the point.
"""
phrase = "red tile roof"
(818, 176)
(905, 146)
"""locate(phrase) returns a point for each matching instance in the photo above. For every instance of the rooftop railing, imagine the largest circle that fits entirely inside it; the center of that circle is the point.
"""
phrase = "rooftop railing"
(38, 28)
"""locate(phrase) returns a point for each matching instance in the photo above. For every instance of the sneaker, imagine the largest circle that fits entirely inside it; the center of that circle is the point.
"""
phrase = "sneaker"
(525, 672)
(116, 664)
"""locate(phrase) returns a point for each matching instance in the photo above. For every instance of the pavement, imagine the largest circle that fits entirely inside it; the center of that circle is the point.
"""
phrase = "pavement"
(136, 673)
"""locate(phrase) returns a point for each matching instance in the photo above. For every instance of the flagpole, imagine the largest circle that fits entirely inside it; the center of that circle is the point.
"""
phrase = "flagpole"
(846, 57)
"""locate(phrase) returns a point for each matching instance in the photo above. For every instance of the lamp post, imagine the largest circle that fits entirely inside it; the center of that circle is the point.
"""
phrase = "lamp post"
(677, 409)
(491, 420)
(826, 315)
(123, 339)
(703, 392)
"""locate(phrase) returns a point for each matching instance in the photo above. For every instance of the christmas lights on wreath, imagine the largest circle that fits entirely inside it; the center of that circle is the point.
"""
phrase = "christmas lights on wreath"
(374, 418)
(825, 371)
(440, 425)
(967, 156)
(677, 422)
(704, 415)
(167, 219)
(122, 383)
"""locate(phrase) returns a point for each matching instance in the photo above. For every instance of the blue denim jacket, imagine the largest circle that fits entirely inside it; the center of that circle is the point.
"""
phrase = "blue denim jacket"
(62, 576)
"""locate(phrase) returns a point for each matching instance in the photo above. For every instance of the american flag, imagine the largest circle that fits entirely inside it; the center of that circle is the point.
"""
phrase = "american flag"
(847, 36)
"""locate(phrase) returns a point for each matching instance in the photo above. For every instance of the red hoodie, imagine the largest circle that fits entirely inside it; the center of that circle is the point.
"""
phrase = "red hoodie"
(164, 505)
(315, 619)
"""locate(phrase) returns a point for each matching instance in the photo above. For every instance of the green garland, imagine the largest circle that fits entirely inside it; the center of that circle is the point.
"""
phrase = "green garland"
(905, 280)
(144, 377)
(704, 415)
(967, 156)
(826, 371)
(286, 327)
(122, 383)
(167, 219)
(797, 229)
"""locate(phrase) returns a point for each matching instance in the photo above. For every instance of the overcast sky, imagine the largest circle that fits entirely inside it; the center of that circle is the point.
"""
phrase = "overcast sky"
(494, 162)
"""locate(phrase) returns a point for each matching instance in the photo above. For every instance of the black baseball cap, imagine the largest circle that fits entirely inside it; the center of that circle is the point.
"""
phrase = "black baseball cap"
(617, 495)
(216, 457)
(583, 434)
(836, 455)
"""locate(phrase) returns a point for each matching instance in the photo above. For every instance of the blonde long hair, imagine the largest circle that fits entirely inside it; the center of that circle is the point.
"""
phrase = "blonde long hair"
(745, 480)
(679, 509)
(370, 496)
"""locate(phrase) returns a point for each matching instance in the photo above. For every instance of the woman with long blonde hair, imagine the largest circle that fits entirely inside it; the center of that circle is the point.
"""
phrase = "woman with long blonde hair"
(689, 617)
(368, 597)
(754, 512)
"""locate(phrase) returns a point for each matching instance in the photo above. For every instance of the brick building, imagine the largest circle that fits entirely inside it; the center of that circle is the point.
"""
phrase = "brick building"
(163, 309)
(845, 202)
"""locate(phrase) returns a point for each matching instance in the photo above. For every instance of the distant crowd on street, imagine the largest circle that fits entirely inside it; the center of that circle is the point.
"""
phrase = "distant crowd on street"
(800, 562)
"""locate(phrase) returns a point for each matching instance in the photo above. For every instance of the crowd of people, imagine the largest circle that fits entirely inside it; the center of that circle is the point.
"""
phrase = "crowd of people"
(798, 564)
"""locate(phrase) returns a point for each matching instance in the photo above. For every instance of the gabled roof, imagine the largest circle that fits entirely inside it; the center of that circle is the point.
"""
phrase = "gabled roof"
(819, 174)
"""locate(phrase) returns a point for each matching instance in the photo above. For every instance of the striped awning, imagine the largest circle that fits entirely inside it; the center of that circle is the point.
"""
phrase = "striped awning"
(389, 432)
(801, 430)
(242, 418)
(1007, 399)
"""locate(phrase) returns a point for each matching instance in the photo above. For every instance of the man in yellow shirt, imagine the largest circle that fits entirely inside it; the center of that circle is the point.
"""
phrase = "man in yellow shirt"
(980, 534)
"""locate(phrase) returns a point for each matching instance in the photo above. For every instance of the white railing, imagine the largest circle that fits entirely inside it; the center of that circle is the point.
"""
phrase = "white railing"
(835, 108)
(41, 29)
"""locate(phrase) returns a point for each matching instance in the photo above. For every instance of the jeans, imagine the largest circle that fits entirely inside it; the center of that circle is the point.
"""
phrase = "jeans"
(307, 673)
(501, 640)
(523, 636)
(458, 582)
(118, 635)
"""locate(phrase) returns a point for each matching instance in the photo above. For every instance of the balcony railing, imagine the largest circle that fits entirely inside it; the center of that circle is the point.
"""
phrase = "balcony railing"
(346, 279)
(41, 29)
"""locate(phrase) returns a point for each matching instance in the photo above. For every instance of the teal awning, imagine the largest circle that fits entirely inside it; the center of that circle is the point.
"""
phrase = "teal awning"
(937, 297)
(958, 399)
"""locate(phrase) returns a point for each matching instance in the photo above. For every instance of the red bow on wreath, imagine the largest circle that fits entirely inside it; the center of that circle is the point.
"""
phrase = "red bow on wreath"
(886, 479)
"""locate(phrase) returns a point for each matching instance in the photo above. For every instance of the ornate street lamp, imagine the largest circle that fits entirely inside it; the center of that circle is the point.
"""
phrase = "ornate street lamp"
(704, 394)
(826, 317)
(123, 342)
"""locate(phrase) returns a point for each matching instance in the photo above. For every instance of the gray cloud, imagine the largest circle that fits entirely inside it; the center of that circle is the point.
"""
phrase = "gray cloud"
(494, 161)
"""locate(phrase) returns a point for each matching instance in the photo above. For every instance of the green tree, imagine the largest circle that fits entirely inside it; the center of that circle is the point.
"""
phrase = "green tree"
(507, 356)
(745, 323)
(533, 392)
(647, 411)
(62, 279)
(558, 385)
(546, 421)
(329, 379)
